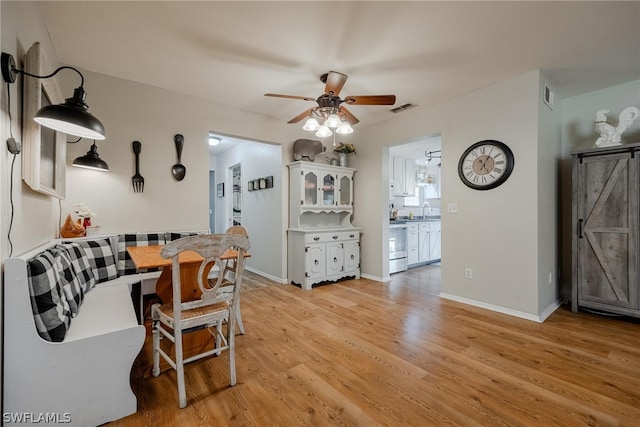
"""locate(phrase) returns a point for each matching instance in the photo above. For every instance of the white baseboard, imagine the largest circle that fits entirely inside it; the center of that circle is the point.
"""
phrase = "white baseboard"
(266, 275)
(375, 278)
(527, 316)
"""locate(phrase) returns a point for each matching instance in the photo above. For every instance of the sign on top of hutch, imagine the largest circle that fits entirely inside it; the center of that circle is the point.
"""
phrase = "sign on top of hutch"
(323, 245)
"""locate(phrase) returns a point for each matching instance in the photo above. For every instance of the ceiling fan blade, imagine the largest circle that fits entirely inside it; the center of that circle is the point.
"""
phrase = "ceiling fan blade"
(350, 117)
(335, 81)
(371, 100)
(301, 116)
(304, 98)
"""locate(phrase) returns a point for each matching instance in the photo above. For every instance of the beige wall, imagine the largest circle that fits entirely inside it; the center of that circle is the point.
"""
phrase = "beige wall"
(496, 232)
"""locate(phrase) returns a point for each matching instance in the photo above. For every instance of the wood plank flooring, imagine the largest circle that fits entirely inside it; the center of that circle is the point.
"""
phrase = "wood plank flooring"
(364, 353)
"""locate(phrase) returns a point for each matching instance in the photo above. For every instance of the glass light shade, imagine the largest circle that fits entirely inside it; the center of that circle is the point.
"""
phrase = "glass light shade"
(213, 141)
(333, 121)
(323, 132)
(91, 160)
(311, 124)
(344, 129)
(72, 117)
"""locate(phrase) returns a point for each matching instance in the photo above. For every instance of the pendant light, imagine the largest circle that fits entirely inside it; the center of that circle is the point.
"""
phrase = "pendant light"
(91, 160)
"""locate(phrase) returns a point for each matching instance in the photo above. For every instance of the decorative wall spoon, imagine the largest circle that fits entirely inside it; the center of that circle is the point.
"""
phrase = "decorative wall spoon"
(179, 170)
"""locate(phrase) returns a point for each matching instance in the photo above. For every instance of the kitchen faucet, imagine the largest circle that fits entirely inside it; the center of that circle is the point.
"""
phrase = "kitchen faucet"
(424, 205)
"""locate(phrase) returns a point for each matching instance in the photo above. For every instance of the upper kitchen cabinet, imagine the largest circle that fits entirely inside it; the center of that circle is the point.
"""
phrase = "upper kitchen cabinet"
(404, 177)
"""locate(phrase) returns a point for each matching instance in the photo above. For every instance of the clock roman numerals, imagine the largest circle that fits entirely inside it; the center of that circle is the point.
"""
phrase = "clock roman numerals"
(485, 165)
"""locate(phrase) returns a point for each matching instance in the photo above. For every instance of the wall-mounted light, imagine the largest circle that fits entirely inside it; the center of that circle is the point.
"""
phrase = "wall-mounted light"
(91, 160)
(72, 117)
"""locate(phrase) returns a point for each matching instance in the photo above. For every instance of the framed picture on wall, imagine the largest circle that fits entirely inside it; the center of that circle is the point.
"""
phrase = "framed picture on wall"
(220, 188)
(44, 153)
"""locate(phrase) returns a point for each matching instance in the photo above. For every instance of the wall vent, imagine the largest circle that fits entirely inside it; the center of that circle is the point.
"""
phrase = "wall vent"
(403, 107)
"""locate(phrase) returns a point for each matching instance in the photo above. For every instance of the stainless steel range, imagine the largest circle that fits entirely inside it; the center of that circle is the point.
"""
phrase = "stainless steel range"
(397, 248)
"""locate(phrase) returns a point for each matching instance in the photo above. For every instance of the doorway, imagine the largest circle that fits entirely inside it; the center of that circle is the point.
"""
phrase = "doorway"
(212, 201)
(236, 195)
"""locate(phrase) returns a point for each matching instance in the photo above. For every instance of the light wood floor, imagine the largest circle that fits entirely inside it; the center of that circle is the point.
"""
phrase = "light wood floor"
(363, 353)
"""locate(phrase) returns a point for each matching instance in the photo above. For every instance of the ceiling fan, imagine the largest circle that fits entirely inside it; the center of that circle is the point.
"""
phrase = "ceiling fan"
(330, 110)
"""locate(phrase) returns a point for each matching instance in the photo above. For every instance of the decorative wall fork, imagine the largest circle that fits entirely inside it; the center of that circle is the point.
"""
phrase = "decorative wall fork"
(137, 180)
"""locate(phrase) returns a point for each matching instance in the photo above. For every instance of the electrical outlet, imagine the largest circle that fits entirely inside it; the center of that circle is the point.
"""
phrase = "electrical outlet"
(468, 273)
(551, 278)
(452, 208)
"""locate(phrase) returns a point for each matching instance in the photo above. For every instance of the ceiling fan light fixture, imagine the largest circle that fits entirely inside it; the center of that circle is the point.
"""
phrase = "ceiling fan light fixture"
(333, 121)
(311, 124)
(344, 129)
(324, 132)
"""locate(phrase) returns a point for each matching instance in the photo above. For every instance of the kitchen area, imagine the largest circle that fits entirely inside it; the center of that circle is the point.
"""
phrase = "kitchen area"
(414, 204)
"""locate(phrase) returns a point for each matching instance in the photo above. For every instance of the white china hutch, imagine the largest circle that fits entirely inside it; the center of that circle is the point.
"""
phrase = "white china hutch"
(323, 245)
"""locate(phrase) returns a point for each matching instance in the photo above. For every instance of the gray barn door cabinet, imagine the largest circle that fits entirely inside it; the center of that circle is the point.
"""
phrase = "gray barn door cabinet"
(605, 239)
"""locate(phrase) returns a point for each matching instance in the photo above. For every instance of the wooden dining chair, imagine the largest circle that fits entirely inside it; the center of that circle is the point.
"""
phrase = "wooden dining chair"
(230, 267)
(212, 311)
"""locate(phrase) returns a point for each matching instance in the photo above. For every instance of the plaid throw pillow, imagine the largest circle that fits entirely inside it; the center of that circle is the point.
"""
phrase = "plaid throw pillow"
(69, 281)
(101, 259)
(125, 263)
(80, 263)
(49, 306)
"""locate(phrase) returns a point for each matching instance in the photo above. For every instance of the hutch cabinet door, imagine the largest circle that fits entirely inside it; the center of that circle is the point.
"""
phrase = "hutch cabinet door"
(314, 261)
(606, 239)
(335, 258)
(351, 256)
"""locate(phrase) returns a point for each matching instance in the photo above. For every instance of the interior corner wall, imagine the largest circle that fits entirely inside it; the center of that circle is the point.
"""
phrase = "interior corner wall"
(549, 148)
(578, 132)
(494, 232)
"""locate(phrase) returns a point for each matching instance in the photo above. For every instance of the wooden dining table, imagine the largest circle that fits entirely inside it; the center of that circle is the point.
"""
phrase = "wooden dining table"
(148, 257)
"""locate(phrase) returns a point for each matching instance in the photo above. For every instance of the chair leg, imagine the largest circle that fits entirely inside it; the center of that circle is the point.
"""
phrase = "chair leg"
(239, 319)
(156, 342)
(231, 342)
(182, 393)
(218, 337)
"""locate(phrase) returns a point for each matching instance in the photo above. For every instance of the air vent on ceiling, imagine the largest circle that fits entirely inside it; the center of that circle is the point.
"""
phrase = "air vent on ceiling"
(403, 107)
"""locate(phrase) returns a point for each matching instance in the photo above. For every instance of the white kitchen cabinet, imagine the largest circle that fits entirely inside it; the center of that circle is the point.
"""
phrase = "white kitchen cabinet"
(323, 245)
(413, 244)
(434, 240)
(423, 242)
(398, 176)
(404, 177)
(409, 177)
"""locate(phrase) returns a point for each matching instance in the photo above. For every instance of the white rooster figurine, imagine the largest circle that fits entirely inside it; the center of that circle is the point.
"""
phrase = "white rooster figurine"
(610, 135)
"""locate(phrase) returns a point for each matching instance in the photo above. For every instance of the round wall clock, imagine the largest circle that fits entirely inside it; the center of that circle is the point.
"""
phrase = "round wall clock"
(485, 165)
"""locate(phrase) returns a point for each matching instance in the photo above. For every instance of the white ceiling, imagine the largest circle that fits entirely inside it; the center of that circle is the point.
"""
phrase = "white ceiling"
(423, 52)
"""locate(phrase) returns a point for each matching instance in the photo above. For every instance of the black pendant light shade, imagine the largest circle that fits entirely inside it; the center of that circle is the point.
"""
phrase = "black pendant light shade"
(72, 117)
(91, 160)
